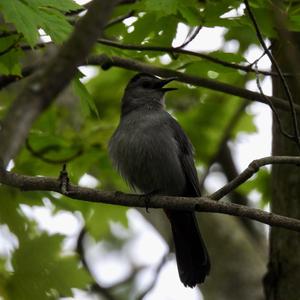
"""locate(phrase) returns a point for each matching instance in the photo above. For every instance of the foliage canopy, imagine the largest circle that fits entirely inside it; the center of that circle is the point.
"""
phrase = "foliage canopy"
(79, 124)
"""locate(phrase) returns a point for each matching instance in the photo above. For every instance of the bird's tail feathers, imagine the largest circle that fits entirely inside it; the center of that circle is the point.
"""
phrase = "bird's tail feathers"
(191, 254)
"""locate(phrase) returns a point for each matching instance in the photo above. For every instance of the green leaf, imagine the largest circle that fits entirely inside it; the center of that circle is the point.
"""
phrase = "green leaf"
(265, 20)
(10, 211)
(190, 14)
(41, 272)
(29, 16)
(10, 61)
(203, 121)
(201, 67)
(162, 8)
(228, 57)
(260, 182)
(161, 32)
(87, 102)
(24, 17)
(214, 9)
(245, 125)
(99, 218)
(189, 10)
(55, 24)
(142, 28)
(65, 5)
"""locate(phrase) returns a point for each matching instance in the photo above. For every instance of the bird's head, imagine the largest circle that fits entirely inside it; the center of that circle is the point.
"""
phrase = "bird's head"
(145, 90)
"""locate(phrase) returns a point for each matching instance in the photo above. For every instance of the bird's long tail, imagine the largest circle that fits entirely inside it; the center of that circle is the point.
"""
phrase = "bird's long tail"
(191, 254)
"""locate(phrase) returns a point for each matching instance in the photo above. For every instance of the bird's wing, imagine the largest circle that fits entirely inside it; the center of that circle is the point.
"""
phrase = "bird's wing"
(186, 157)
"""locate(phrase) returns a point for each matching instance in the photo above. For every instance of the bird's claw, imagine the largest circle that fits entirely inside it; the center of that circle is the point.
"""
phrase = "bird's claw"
(64, 180)
(147, 198)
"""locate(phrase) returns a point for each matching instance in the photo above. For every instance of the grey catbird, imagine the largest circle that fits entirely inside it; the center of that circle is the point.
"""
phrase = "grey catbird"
(153, 154)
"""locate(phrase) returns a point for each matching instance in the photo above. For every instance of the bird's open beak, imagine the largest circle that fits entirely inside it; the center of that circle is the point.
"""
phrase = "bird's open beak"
(165, 82)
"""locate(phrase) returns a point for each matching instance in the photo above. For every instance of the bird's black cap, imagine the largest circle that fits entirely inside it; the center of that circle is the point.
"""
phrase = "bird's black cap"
(150, 81)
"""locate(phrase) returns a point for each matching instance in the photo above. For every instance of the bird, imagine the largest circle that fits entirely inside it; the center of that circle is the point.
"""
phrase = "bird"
(153, 154)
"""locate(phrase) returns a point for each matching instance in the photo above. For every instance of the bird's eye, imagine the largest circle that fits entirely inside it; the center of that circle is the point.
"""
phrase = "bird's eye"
(146, 84)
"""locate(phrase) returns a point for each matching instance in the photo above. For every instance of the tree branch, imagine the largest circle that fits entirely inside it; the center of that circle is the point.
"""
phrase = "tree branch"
(227, 163)
(180, 50)
(155, 278)
(96, 287)
(5, 80)
(31, 183)
(12, 46)
(279, 72)
(275, 112)
(47, 82)
(253, 167)
(119, 19)
(106, 62)
(130, 64)
(40, 154)
(134, 65)
(190, 38)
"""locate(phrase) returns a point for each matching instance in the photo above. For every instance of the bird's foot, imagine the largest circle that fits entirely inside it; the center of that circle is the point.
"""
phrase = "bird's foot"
(146, 198)
(64, 180)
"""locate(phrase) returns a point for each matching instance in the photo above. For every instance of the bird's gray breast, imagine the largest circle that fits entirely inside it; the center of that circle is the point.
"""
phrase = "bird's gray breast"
(147, 155)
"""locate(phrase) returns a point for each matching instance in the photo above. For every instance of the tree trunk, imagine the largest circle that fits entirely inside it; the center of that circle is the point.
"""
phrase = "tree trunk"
(283, 277)
(238, 263)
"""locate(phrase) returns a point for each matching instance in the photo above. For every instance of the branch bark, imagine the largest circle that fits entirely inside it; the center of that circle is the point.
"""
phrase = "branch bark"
(252, 169)
(106, 62)
(134, 65)
(199, 204)
(283, 277)
(47, 82)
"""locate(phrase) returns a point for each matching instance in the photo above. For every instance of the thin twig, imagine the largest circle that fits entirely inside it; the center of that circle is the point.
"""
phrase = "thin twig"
(190, 38)
(40, 154)
(253, 167)
(8, 33)
(258, 59)
(226, 161)
(39, 45)
(96, 287)
(278, 70)
(125, 2)
(12, 46)
(171, 50)
(155, 278)
(273, 108)
(119, 19)
(6, 80)
(129, 279)
(179, 50)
